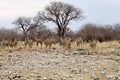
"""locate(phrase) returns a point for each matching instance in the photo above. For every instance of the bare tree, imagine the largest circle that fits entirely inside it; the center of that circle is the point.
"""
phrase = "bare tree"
(37, 27)
(61, 14)
(23, 24)
(26, 24)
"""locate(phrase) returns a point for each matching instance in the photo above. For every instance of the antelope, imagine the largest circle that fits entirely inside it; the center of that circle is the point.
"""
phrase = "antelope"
(93, 44)
(79, 42)
(48, 42)
(29, 43)
(13, 43)
(53, 41)
(39, 41)
(66, 44)
(5, 43)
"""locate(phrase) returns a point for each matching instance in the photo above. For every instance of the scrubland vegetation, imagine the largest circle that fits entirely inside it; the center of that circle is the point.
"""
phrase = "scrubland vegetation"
(32, 51)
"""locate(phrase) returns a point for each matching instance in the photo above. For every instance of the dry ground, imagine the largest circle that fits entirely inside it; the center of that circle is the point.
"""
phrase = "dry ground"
(101, 63)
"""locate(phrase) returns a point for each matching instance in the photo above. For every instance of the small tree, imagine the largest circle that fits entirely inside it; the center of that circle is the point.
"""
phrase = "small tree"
(61, 14)
(26, 24)
(23, 24)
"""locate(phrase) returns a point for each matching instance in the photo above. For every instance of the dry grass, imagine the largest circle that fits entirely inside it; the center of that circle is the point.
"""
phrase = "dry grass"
(51, 64)
(109, 47)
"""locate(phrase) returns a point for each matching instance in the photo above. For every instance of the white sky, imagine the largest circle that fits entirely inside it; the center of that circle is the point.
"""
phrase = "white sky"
(95, 11)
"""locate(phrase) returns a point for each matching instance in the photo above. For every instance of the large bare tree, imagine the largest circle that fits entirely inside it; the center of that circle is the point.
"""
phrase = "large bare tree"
(61, 14)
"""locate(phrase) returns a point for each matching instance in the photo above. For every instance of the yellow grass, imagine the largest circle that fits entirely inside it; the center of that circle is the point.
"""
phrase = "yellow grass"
(104, 47)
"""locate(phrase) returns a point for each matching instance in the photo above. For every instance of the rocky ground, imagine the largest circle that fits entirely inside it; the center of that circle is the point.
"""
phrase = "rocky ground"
(102, 64)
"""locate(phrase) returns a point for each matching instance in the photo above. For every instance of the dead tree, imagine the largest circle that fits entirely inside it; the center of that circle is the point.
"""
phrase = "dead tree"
(61, 14)
(26, 25)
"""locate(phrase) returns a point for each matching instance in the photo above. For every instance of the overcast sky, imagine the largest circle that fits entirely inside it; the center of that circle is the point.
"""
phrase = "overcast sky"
(95, 11)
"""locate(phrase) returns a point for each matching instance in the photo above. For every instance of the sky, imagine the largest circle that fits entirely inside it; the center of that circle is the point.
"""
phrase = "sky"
(95, 11)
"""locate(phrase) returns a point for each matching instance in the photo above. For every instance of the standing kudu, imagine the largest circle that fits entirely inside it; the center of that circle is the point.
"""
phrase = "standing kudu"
(29, 43)
(79, 42)
(66, 45)
(49, 42)
(93, 44)
(39, 41)
(13, 43)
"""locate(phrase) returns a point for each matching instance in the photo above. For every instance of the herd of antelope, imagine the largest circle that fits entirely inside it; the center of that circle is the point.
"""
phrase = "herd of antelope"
(66, 43)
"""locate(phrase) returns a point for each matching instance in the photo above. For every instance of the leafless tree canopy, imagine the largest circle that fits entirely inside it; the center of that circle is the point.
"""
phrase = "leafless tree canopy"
(23, 24)
(26, 24)
(61, 14)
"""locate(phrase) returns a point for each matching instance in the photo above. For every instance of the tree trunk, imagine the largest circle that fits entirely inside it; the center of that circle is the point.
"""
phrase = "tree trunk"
(61, 33)
(25, 36)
